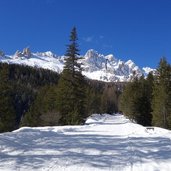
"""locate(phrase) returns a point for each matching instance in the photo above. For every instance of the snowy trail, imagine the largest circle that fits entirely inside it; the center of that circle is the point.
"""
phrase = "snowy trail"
(106, 143)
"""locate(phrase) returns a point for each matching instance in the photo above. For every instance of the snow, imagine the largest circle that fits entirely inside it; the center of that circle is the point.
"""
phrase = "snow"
(147, 70)
(38, 60)
(105, 142)
(95, 66)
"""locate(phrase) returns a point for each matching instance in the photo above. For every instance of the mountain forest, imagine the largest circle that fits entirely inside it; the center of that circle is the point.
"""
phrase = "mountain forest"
(39, 97)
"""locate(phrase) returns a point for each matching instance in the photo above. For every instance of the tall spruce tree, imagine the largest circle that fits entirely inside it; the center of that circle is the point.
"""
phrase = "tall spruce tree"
(161, 103)
(71, 93)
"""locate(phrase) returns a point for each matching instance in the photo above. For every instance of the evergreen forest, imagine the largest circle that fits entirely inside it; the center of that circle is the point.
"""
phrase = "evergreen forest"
(147, 101)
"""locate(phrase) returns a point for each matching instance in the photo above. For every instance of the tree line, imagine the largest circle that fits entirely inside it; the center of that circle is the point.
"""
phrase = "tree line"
(148, 100)
(19, 86)
(29, 97)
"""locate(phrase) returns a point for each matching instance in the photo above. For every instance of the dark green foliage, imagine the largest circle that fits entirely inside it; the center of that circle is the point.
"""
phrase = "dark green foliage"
(94, 90)
(44, 111)
(109, 99)
(128, 100)
(23, 98)
(148, 101)
(26, 82)
(19, 86)
(31, 77)
(32, 97)
(7, 112)
(161, 103)
(71, 90)
(93, 101)
(102, 97)
(135, 100)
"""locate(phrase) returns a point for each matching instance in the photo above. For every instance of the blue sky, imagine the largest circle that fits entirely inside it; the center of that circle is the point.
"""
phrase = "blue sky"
(130, 29)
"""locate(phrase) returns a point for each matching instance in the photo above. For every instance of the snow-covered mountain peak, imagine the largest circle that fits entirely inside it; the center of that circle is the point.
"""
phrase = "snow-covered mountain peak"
(46, 54)
(91, 54)
(147, 70)
(25, 53)
(130, 63)
(108, 68)
(95, 65)
(110, 57)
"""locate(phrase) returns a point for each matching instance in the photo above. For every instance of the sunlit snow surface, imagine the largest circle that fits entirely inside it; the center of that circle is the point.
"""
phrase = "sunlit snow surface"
(105, 142)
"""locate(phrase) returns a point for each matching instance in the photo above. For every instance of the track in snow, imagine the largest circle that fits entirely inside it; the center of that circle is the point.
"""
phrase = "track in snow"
(106, 143)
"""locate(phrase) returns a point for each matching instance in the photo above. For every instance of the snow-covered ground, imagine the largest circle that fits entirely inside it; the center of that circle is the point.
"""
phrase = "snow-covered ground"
(105, 142)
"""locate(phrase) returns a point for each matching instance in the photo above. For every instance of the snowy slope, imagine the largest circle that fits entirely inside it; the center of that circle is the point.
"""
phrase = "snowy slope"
(95, 66)
(108, 143)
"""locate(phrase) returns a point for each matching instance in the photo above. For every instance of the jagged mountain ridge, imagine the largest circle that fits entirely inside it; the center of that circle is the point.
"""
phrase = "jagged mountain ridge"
(95, 66)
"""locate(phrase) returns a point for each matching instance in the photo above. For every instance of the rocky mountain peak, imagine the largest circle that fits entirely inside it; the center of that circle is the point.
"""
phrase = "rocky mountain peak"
(95, 66)
(47, 54)
(91, 54)
(25, 53)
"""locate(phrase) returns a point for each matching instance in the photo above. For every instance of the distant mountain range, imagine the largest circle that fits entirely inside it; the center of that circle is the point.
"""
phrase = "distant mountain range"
(95, 66)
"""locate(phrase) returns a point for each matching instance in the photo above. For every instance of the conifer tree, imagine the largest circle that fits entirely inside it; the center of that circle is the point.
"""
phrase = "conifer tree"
(161, 103)
(43, 112)
(71, 93)
(135, 100)
(128, 99)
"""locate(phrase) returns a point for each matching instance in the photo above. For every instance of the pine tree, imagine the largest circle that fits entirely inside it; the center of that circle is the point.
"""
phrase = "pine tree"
(71, 93)
(128, 99)
(144, 100)
(161, 103)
